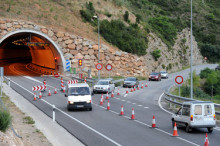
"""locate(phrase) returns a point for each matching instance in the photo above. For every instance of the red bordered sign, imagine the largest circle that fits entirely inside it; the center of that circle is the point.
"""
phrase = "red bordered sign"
(108, 67)
(179, 82)
(99, 66)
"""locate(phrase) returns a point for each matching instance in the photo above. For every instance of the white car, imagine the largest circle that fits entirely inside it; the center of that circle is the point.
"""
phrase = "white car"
(104, 86)
(196, 114)
(164, 74)
(79, 96)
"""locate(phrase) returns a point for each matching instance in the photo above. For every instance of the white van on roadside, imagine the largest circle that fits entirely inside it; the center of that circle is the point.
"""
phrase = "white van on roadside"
(79, 96)
(196, 114)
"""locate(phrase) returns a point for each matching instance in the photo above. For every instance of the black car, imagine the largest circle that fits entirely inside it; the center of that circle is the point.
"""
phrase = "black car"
(130, 82)
(217, 68)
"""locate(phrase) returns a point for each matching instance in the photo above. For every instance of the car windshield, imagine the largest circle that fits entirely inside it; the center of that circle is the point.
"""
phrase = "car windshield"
(163, 72)
(130, 79)
(79, 91)
(102, 83)
(154, 73)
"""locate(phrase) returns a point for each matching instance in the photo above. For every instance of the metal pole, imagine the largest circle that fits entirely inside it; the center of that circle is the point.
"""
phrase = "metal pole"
(98, 48)
(9, 84)
(54, 113)
(191, 50)
(179, 90)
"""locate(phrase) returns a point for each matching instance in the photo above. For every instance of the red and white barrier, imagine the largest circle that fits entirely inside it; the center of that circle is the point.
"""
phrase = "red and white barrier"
(72, 81)
(62, 83)
(38, 88)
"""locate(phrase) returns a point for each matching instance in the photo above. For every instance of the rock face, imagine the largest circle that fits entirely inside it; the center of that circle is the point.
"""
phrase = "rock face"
(76, 47)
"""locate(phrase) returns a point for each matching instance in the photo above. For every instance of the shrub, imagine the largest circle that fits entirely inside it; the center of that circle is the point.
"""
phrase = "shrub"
(163, 66)
(28, 120)
(118, 84)
(185, 92)
(205, 72)
(201, 94)
(5, 120)
(88, 13)
(156, 54)
(127, 38)
(163, 25)
(138, 18)
(126, 16)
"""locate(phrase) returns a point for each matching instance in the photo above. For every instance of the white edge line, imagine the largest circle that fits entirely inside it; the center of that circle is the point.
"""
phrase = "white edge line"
(73, 118)
(161, 105)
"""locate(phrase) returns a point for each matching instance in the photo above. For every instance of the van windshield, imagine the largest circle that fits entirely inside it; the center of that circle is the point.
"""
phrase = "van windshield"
(79, 91)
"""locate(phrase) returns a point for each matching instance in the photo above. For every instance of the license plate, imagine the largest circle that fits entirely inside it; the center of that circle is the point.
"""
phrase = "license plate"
(80, 105)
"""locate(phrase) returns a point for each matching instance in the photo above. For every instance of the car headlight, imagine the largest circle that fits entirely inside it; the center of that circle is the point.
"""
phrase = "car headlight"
(88, 101)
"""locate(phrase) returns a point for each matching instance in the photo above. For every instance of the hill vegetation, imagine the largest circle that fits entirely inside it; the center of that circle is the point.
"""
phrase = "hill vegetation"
(126, 23)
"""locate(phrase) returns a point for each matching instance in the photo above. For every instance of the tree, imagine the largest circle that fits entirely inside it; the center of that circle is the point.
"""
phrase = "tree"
(212, 79)
(196, 79)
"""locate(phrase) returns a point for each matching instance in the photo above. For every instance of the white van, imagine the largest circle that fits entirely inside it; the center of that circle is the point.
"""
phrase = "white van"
(196, 114)
(79, 96)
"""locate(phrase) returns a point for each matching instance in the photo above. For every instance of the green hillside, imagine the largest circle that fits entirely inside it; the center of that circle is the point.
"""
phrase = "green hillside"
(125, 23)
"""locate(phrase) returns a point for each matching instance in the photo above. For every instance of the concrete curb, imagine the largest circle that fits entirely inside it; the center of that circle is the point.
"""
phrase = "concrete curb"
(56, 134)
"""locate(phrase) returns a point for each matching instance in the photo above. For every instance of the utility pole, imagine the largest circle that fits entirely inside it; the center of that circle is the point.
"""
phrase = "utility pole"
(191, 54)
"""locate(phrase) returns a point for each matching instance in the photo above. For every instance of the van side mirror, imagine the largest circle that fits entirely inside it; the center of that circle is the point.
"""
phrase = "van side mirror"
(65, 95)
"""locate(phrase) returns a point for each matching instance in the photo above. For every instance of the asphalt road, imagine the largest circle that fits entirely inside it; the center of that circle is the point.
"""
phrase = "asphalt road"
(102, 127)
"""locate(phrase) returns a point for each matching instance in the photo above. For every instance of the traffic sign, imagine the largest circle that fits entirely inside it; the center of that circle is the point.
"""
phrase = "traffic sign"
(108, 67)
(38, 88)
(56, 75)
(68, 64)
(72, 82)
(179, 80)
(205, 58)
(99, 66)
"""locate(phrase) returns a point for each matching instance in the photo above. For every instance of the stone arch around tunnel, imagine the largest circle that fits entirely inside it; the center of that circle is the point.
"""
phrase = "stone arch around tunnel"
(60, 59)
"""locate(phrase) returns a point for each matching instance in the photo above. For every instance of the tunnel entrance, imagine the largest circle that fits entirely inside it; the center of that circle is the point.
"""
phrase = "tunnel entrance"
(28, 52)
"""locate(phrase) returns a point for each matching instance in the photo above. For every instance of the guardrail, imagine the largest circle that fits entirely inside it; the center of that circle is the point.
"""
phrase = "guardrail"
(169, 97)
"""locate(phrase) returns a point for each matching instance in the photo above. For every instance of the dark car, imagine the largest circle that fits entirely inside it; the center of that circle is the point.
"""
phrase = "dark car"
(155, 76)
(217, 68)
(130, 82)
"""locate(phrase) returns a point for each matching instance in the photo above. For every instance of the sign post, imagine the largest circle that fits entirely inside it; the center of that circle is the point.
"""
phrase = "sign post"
(108, 68)
(179, 82)
(99, 66)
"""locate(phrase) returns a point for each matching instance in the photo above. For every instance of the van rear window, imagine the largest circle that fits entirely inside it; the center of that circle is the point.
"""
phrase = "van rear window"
(198, 110)
(208, 110)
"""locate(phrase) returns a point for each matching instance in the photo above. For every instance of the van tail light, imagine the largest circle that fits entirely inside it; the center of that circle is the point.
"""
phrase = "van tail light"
(69, 102)
(191, 118)
(214, 116)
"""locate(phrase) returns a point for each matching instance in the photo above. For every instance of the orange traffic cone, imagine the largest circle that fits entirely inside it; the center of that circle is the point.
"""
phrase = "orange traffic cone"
(107, 96)
(40, 95)
(132, 114)
(112, 94)
(138, 87)
(142, 86)
(153, 122)
(108, 106)
(146, 84)
(102, 98)
(134, 88)
(101, 101)
(122, 111)
(118, 92)
(131, 89)
(127, 91)
(55, 90)
(49, 93)
(64, 88)
(175, 130)
(35, 97)
(206, 140)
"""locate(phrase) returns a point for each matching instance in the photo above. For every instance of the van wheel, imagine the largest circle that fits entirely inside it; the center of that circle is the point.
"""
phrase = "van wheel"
(90, 109)
(188, 129)
(210, 129)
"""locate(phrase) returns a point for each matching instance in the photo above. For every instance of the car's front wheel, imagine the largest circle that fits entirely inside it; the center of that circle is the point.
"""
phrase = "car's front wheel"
(188, 129)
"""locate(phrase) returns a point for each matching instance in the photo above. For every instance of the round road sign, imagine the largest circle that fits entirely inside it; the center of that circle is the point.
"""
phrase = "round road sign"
(108, 67)
(99, 66)
(177, 81)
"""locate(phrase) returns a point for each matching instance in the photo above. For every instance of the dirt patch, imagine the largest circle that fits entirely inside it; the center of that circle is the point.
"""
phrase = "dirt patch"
(31, 136)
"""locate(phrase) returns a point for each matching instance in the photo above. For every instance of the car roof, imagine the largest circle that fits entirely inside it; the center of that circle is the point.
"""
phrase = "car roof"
(78, 85)
(131, 77)
(103, 80)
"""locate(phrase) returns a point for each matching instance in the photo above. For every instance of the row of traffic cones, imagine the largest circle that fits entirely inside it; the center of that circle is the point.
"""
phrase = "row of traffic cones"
(49, 93)
(134, 89)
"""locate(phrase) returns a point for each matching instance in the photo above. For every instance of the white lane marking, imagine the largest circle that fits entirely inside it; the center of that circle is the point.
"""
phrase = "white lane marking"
(128, 102)
(161, 105)
(117, 98)
(133, 103)
(122, 100)
(146, 107)
(125, 95)
(139, 105)
(155, 128)
(74, 118)
(33, 79)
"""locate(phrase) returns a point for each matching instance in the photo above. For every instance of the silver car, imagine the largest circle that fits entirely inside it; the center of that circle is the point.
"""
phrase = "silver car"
(164, 74)
(104, 86)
